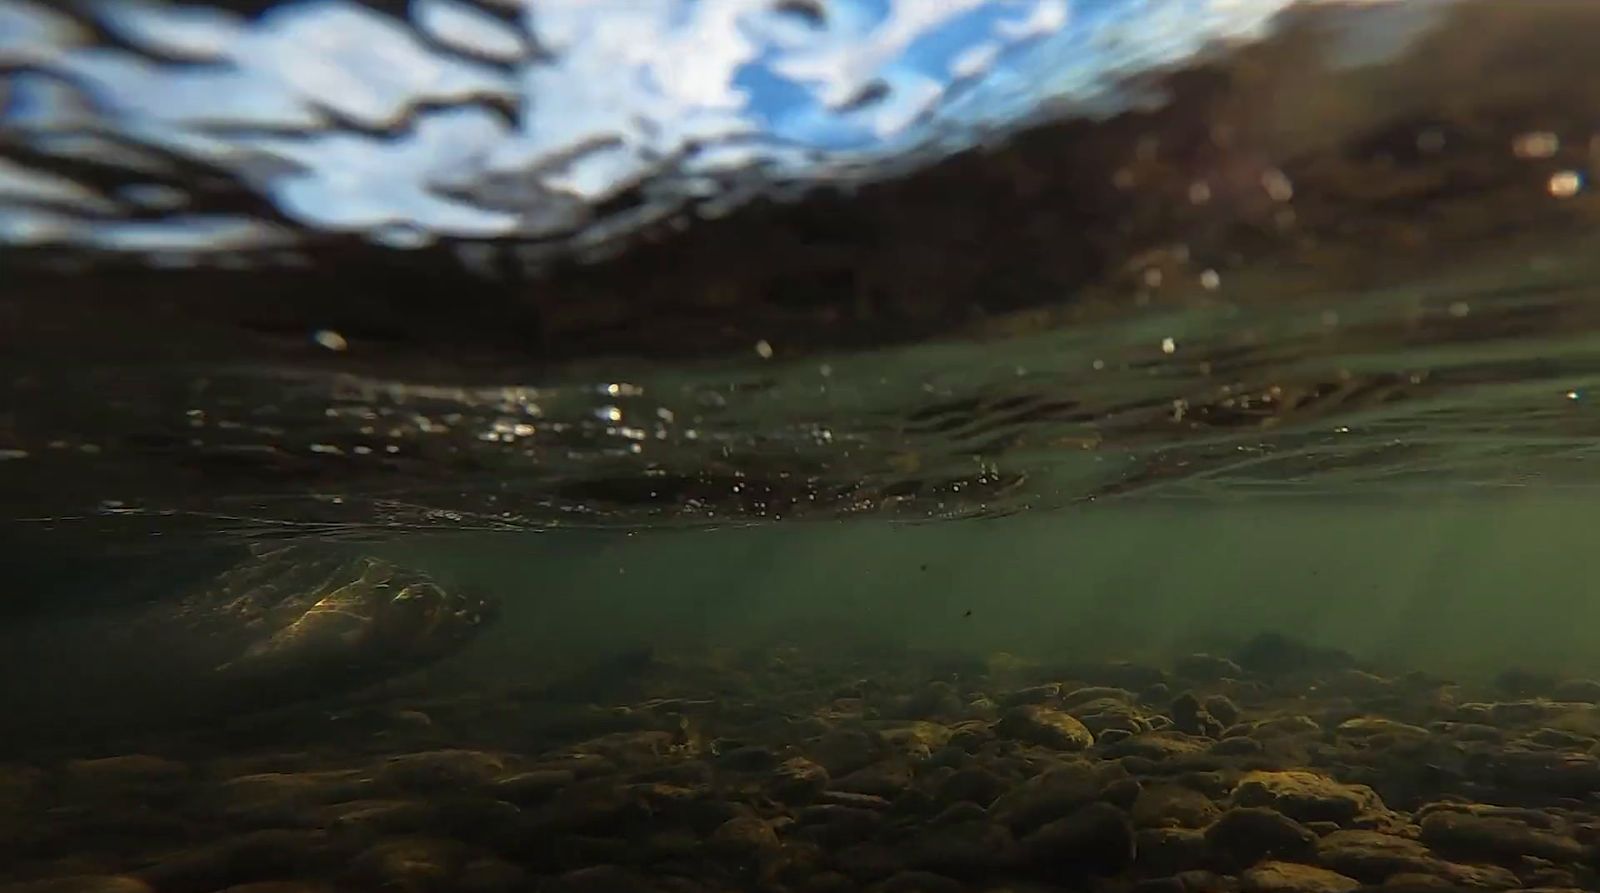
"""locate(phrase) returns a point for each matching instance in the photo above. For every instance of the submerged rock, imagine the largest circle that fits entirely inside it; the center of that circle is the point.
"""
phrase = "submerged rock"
(1288, 877)
(1306, 796)
(1045, 727)
(1245, 835)
(1097, 839)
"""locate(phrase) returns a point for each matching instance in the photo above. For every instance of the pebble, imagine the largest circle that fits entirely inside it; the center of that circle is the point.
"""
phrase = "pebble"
(1173, 806)
(442, 770)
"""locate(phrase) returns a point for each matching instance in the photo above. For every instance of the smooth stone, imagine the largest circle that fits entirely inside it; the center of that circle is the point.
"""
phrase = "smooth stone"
(1097, 839)
(442, 770)
(275, 854)
(1088, 693)
(918, 882)
(81, 884)
(965, 849)
(490, 875)
(1222, 707)
(869, 861)
(799, 781)
(600, 879)
(536, 786)
(1173, 806)
(1045, 727)
(750, 758)
(1495, 837)
(843, 751)
(131, 774)
(1122, 793)
(277, 797)
(369, 820)
(1170, 849)
(1243, 836)
(1037, 694)
(1288, 877)
(1189, 716)
(1306, 796)
(744, 836)
(973, 784)
(883, 780)
(1374, 857)
(1285, 726)
(1048, 796)
(1237, 746)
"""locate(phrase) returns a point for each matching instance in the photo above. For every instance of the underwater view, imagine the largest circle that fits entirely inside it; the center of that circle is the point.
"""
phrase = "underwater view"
(806, 446)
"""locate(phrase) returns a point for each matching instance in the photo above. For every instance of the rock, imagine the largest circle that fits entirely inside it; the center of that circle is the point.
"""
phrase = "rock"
(854, 800)
(366, 821)
(1237, 746)
(257, 856)
(537, 786)
(1206, 668)
(1245, 835)
(581, 765)
(1097, 839)
(1047, 796)
(1173, 884)
(1371, 729)
(1089, 693)
(600, 879)
(883, 780)
(973, 784)
(918, 882)
(1189, 717)
(1222, 707)
(1493, 837)
(1170, 849)
(843, 751)
(798, 781)
(135, 775)
(1306, 796)
(1287, 877)
(1173, 806)
(750, 758)
(1156, 746)
(277, 798)
(1285, 726)
(1122, 793)
(488, 875)
(1374, 857)
(1045, 727)
(81, 884)
(744, 837)
(832, 826)
(869, 861)
(442, 770)
(974, 848)
(1038, 694)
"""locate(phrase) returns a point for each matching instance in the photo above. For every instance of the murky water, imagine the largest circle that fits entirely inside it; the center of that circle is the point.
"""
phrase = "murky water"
(895, 446)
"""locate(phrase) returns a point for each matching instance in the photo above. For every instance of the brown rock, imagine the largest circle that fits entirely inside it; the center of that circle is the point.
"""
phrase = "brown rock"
(882, 780)
(442, 770)
(1173, 806)
(536, 786)
(1170, 849)
(1306, 796)
(973, 784)
(1287, 877)
(1097, 839)
(1495, 837)
(81, 884)
(973, 848)
(1045, 727)
(1048, 796)
(798, 781)
(1245, 835)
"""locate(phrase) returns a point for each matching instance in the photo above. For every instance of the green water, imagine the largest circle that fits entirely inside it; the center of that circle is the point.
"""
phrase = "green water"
(1457, 585)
